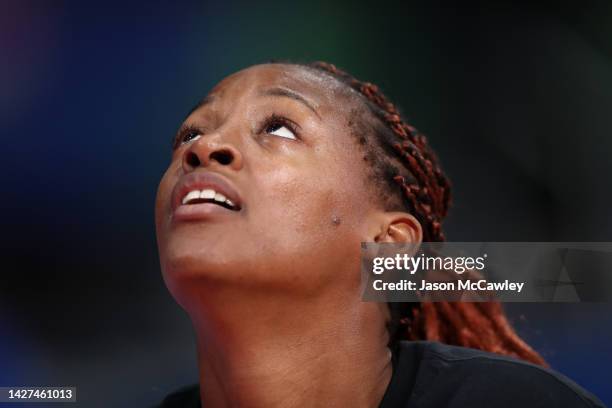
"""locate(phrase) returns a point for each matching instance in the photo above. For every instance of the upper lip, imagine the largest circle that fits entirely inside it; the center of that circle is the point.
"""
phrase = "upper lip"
(202, 181)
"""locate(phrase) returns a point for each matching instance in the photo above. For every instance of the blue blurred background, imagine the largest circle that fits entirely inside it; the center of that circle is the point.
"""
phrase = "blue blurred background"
(516, 98)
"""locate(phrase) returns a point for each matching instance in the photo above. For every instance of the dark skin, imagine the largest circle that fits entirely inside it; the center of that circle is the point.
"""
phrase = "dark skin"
(273, 287)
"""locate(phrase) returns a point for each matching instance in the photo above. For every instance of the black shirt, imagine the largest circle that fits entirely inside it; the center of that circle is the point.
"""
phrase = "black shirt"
(432, 375)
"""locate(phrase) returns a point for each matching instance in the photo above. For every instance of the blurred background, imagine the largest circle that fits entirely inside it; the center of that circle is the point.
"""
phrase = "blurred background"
(516, 98)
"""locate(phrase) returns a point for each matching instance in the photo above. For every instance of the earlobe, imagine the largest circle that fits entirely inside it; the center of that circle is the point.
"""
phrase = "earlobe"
(400, 227)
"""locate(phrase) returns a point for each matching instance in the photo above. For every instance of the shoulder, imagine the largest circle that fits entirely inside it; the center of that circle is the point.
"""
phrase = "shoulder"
(458, 376)
(186, 397)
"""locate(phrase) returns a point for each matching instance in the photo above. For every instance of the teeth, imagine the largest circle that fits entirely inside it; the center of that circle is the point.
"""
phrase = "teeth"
(193, 195)
(207, 194)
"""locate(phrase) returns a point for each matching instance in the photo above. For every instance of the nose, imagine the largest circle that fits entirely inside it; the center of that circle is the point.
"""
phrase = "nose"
(208, 150)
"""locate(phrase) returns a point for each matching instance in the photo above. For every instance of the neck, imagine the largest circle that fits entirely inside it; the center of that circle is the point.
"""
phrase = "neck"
(273, 351)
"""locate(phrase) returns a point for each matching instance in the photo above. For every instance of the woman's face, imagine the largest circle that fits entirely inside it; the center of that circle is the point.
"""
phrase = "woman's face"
(276, 141)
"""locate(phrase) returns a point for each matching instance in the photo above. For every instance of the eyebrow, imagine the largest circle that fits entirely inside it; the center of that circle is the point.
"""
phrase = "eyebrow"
(287, 93)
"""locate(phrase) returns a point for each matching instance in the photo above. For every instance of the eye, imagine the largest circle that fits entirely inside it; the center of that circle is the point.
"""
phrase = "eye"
(186, 134)
(190, 137)
(281, 131)
(280, 127)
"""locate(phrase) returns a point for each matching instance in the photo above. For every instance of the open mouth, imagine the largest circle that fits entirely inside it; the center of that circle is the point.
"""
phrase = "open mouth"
(208, 196)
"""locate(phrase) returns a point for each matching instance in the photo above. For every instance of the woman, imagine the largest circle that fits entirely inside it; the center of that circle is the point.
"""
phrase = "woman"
(276, 178)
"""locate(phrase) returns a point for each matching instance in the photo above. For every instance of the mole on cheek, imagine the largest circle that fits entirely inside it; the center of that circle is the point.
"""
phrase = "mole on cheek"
(336, 220)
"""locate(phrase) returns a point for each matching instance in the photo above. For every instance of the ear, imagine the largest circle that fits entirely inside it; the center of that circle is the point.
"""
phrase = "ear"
(398, 227)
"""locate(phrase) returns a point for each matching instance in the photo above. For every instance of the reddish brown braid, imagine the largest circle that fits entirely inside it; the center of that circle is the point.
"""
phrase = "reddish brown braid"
(426, 191)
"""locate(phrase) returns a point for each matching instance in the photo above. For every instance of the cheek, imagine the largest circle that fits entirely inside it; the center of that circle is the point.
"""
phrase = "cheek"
(308, 204)
(318, 189)
(311, 220)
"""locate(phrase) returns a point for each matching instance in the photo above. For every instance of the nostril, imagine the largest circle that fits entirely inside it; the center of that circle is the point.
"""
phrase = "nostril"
(224, 157)
(192, 159)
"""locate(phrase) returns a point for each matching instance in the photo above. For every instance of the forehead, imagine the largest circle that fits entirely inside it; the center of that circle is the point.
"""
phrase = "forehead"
(320, 89)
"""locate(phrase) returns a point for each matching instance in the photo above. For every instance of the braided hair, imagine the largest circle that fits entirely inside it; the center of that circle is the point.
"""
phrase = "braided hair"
(401, 156)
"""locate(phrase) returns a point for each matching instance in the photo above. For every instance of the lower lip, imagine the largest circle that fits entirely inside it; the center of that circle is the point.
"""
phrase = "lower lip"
(199, 212)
